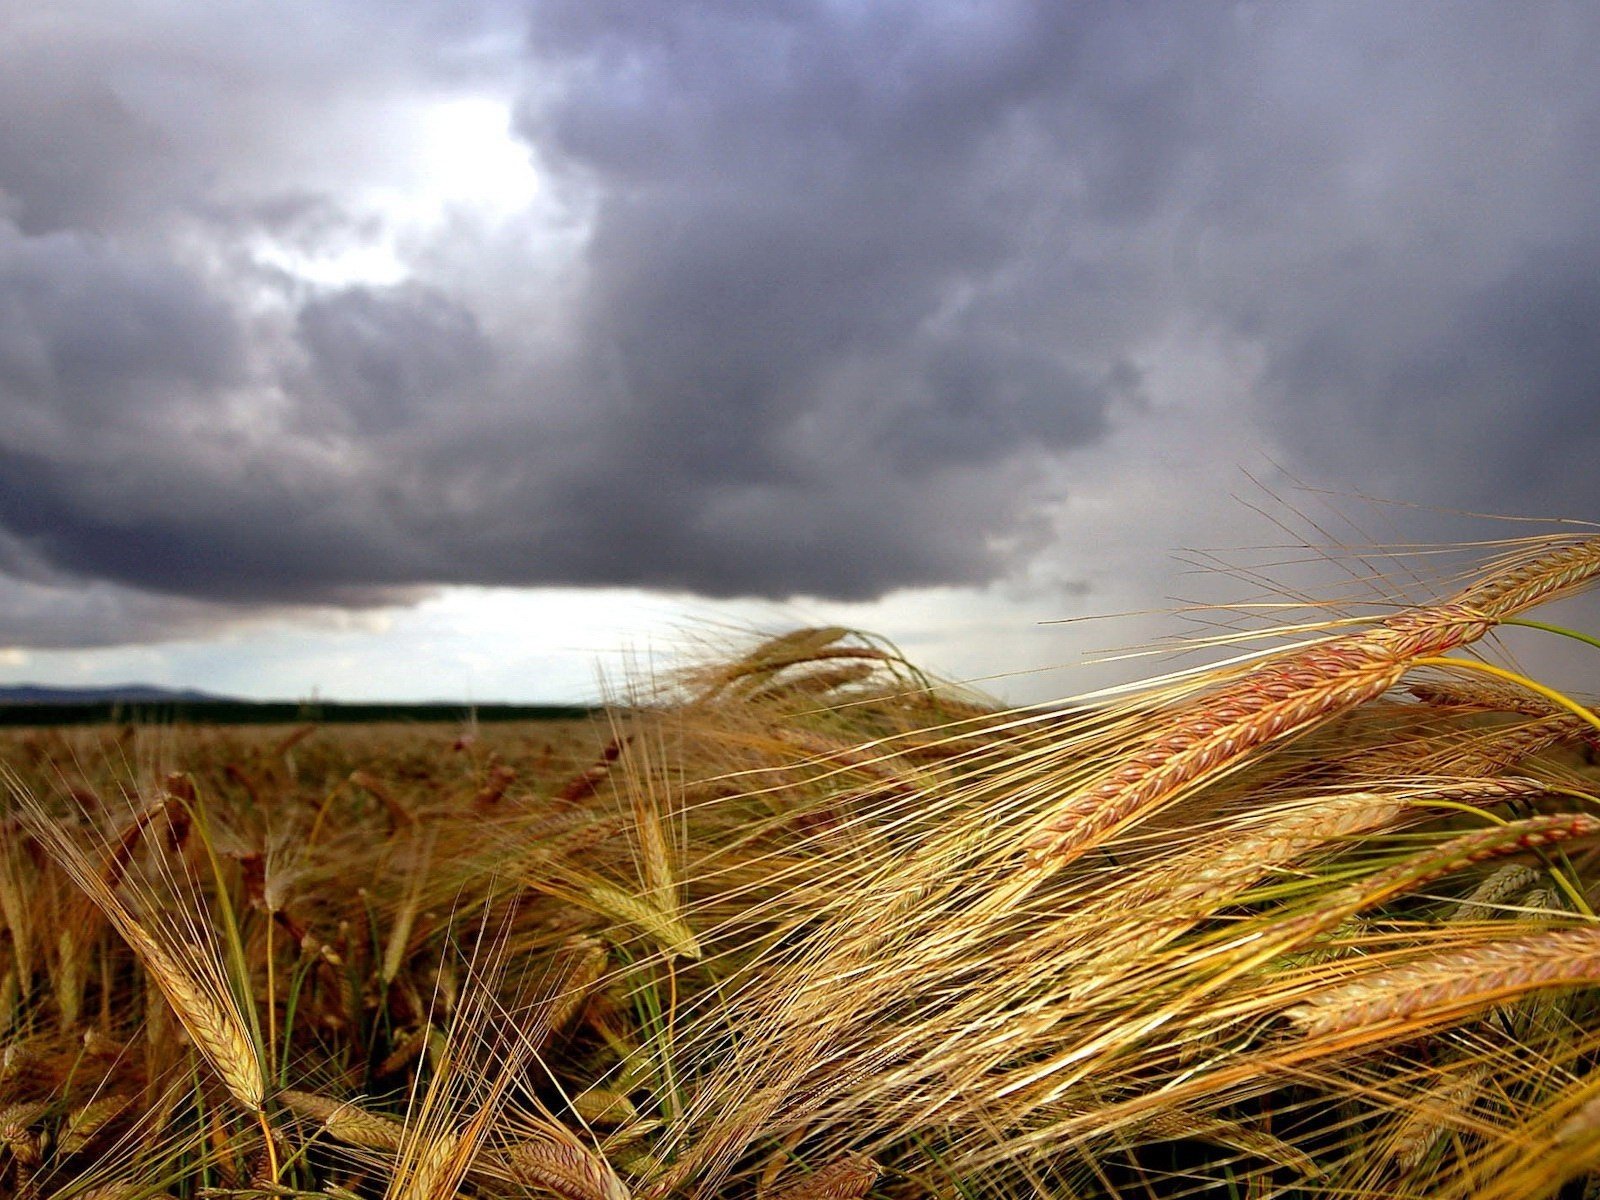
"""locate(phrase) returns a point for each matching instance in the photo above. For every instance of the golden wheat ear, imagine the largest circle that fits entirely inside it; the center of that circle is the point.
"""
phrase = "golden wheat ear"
(186, 970)
(563, 1166)
(1293, 691)
(847, 1177)
(1445, 985)
(345, 1120)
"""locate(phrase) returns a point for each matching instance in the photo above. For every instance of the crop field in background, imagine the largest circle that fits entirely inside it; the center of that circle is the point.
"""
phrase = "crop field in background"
(257, 712)
(803, 924)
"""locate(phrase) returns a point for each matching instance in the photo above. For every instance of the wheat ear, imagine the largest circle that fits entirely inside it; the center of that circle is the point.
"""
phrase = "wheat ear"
(567, 1168)
(1433, 1116)
(86, 1122)
(430, 1168)
(192, 985)
(1292, 692)
(1453, 983)
(847, 1177)
(1218, 871)
(121, 1189)
(1281, 698)
(583, 965)
(1503, 884)
(1541, 574)
(345, 1120)
(668, 928)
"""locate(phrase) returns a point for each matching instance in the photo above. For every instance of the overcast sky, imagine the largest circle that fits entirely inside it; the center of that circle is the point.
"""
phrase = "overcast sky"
(431, 349)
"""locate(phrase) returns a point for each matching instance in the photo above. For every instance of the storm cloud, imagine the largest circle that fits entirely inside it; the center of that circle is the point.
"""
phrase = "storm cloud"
(812, 299)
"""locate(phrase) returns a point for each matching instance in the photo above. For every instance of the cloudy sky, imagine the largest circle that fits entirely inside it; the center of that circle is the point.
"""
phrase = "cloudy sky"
(442, 349)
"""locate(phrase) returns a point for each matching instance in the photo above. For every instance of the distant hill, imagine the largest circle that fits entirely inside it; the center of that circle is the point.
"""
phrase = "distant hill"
(120, 693)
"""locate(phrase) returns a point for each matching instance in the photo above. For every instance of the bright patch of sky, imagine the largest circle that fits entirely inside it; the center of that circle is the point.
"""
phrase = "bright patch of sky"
(450, 157)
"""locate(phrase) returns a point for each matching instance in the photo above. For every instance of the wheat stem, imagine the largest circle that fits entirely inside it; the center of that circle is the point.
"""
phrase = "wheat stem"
(1576, 635)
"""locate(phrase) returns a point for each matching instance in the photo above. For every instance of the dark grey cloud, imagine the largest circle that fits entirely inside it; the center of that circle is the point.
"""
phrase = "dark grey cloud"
(381, 359)
(90, 336)
(1505, 383)
(819, 299)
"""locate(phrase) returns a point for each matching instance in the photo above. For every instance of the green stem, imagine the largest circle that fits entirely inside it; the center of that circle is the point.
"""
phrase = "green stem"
(1566, 877)
(290, 1012)
(1561, 630)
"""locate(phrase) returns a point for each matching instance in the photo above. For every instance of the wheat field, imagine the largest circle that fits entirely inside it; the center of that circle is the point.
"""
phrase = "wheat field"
(799, 922)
